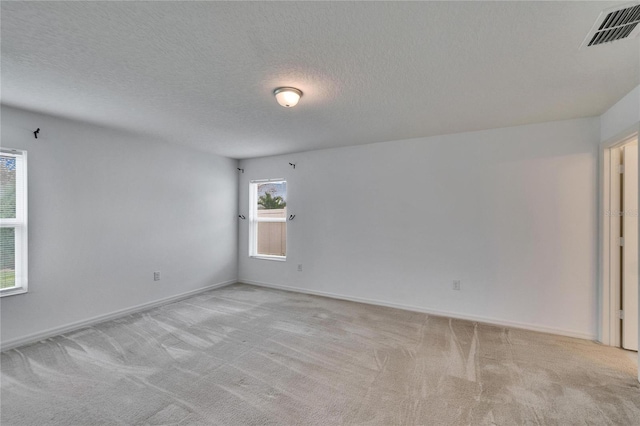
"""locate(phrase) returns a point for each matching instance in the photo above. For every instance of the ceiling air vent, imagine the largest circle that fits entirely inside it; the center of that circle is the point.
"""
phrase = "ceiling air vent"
(615, 24)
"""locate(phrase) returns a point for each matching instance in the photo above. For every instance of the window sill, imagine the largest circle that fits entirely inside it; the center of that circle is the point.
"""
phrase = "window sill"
(276, 258)
(13, 291)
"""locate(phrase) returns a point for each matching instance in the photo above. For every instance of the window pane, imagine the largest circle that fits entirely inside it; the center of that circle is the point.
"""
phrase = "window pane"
(268, 238)
(272, 238)
(7, 257)
(272, 196)
(7, 187)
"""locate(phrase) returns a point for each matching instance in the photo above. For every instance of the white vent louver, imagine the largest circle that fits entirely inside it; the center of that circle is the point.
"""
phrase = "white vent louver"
(615, 24)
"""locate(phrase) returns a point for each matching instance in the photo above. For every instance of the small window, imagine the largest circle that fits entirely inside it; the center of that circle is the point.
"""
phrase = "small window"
(13, 222)
(268, 219)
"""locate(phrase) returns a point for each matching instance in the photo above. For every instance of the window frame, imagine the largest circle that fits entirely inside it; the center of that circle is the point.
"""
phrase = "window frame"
(254, 220)
(19, 223)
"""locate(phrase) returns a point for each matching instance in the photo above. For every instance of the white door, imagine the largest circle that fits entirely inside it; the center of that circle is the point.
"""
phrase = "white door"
(630, 248)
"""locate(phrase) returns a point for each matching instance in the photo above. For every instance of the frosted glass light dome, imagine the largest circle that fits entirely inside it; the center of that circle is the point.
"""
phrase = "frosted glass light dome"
(287, 96)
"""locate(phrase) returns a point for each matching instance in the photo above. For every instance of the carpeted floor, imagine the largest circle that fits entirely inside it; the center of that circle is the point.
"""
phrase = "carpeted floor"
(244, 355)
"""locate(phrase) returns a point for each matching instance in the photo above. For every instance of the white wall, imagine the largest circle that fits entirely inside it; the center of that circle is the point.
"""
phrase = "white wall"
(106, 209)
(510, 212)
(621, 116)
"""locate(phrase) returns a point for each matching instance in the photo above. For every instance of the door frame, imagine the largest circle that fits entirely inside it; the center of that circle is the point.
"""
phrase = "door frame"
(610, 279)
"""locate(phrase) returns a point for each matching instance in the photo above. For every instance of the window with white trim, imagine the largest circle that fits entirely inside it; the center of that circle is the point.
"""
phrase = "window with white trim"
(268, 219)
(13, 222)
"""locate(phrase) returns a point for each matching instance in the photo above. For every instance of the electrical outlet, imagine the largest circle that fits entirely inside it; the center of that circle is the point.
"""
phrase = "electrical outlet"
(456, 285)
(299, 267)
(156, 276)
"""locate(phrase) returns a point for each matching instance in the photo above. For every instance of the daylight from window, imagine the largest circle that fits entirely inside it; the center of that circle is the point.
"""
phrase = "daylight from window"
(269, 219)
(7, 211)
(12, 222)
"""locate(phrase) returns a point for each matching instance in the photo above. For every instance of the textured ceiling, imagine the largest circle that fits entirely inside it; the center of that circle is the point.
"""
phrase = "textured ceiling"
(202, 73)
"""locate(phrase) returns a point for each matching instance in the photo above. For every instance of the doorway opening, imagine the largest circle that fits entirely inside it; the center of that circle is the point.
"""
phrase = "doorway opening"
(620, 244)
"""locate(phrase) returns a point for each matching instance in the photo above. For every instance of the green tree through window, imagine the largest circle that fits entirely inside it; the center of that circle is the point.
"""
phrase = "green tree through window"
(269, 202)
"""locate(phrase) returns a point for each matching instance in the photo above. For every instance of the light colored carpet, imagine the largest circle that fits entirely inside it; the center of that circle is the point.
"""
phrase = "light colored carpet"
(244, 355)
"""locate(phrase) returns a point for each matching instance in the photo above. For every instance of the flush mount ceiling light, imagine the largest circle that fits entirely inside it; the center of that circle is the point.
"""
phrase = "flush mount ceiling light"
(287, 96)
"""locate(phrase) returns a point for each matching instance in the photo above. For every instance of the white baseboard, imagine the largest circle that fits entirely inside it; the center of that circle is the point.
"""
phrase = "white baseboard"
(475, 318)
(55, 331)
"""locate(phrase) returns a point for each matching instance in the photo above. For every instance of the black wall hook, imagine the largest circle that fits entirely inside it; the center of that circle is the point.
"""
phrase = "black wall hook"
(292, 216)
(293, 165)
(241, 216)
(36, 132)
(240, 170)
